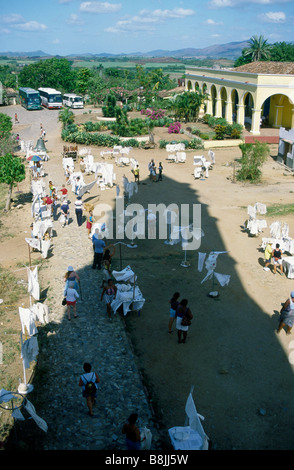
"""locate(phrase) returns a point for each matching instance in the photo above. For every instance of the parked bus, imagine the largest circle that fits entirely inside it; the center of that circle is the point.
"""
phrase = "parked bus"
(73, 101)
(29, 98)
(50, 98)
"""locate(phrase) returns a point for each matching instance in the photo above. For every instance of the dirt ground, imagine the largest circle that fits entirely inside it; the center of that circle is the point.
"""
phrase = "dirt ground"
(240, 368)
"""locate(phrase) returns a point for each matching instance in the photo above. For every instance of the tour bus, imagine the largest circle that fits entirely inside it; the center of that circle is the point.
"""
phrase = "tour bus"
(73, 101)
(50, 98)
(29, 98)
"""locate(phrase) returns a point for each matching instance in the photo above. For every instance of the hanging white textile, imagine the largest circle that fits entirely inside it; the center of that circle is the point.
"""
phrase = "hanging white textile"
(127, 295)
(201, 259)
(40, 312)
(33, 284)
(6, 396)
(223, 279)
(29, 351)
(45, 245)
(275, 230)
(17, 414)
(31, 410)
(27, 321)
(125, 275)
(86, 188)
(34, 243)
(260, 208)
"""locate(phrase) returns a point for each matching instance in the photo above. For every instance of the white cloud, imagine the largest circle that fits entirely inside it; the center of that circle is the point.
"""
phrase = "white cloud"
(30, 26)
(146, 19)
(239, 3)
(100, 7)
(211, 22)
(273, 17)
(56, 41)
(13, 18)
(75, 20)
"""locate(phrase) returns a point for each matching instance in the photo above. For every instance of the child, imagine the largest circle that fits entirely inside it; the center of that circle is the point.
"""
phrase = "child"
(71, 299)
(90, 223)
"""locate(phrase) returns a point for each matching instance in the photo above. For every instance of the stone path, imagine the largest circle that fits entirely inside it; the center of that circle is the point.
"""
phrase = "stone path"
(93, 338)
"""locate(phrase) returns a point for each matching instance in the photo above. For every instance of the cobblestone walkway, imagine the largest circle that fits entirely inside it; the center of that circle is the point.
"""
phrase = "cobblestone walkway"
(93, 338)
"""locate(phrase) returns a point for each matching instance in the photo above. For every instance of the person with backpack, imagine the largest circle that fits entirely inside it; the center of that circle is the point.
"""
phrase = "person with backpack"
(89, 383)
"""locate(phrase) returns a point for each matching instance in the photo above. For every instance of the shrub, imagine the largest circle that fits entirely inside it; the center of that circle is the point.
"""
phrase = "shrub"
(174, 128)
(253, 157)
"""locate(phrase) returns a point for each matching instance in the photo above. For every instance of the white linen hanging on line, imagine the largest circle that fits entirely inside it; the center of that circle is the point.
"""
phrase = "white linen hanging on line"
(27, 321)
(33, 284)
(201, 259)
(40, 312)
(31, 410)
(29, 350)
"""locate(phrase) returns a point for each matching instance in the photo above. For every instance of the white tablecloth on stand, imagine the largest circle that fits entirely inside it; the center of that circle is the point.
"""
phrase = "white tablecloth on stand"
(288, 265)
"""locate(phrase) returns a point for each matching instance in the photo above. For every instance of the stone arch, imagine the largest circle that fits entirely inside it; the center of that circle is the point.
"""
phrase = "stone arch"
(189, 85)
(235, 102)
(248, 102)
(196, 86)
(213, 96)
(223, 95)
(278, 111)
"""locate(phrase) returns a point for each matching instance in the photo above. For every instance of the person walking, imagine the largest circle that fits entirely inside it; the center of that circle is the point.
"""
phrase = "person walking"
(98, 245)
(287, 315)
(184, 317)
(160, 169)
(132, 432)
(64, 219)
(106, 262)
(79, 210)
(16, 121)
(109, 293)
(89, 382)
(277, 259)
(173, 310)
(71, 276)
(71, 299)
(90, 221)
(137, 174)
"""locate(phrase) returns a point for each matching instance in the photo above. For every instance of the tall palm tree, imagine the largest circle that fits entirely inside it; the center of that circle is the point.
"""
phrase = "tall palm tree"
(258, 48)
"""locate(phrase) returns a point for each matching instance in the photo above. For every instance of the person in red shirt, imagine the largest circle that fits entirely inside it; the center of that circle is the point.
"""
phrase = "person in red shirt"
(64, 192)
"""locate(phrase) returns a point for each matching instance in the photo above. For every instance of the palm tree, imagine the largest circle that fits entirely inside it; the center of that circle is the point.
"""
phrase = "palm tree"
(258, 48)
(66, 116)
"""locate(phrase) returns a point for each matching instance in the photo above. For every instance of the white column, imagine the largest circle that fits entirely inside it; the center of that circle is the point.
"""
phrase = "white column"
(255, 124)
(218, 107)
(229, 112)
(240, 114)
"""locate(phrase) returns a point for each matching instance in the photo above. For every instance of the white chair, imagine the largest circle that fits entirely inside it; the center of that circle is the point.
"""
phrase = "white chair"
(198, 172)
(172, 158)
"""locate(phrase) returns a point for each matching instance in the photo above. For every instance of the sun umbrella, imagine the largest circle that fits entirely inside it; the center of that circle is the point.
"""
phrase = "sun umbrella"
(34, 158)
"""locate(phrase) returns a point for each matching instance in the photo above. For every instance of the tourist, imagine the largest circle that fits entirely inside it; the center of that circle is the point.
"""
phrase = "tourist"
(47, 201)
(106, 262)
(267, 255)
(51, 187)
(132, 432)
(79, 210)
(160, 168)
(54, 204)
(78, 186)
(64, 192)
(90, 221)
(109, 293)
(71, 276)
(67, 172)
(137, 174)
(71, 299)
(151, 168)
(181, 323)
(287, 315)
(98, 245)
(89, 391)
(277, 259)
(43, 134)
(173, 310)
(64, 219)
(16, 121)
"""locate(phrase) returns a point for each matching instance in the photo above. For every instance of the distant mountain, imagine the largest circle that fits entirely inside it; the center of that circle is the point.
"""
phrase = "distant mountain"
(25, 54)
(231, 50)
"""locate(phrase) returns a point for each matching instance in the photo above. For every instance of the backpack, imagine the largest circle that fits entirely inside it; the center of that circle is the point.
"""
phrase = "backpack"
(90, 387)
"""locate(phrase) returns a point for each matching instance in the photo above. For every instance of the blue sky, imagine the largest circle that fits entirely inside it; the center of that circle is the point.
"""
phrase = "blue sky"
(125, 26)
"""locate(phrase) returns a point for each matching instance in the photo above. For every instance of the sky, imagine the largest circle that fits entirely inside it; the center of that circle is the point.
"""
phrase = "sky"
(63, 27)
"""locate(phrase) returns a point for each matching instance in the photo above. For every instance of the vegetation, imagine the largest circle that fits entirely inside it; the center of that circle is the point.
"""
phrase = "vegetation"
(186, 106)
(253, 157)
(222, 128)
(259, 49)
(12, 171)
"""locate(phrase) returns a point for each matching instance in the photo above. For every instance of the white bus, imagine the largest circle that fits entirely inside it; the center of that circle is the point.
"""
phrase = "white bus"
(50, 98)
(73, 101)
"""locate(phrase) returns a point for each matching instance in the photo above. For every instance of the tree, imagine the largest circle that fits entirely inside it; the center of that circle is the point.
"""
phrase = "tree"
(12, 171)
(8, 142)
(82, 81)
(66, 116)
(55, 73)
(282, 52)
(258, 49)
(253, 157)
(186, 106)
